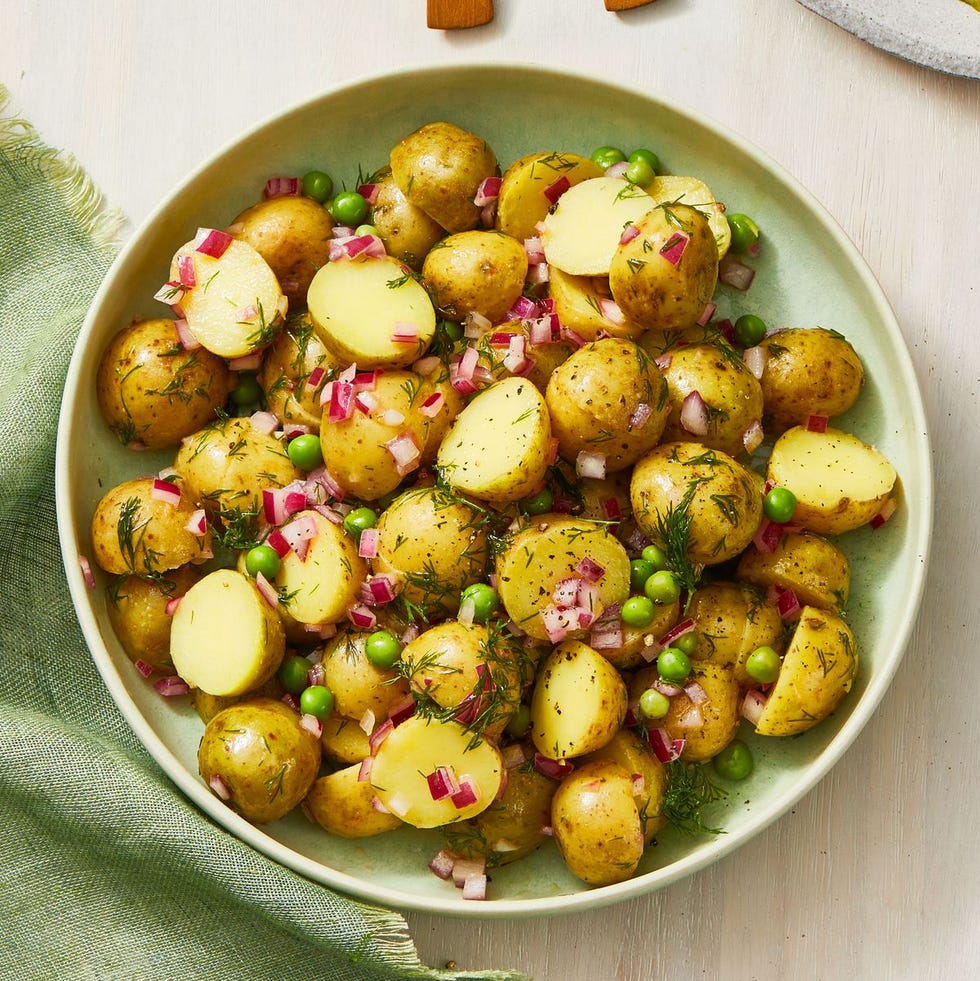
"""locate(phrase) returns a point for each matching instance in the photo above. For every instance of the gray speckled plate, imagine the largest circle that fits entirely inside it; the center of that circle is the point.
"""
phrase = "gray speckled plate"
(940, 34)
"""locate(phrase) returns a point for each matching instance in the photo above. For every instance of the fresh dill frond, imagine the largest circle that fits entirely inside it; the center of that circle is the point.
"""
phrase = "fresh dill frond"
(688, 792)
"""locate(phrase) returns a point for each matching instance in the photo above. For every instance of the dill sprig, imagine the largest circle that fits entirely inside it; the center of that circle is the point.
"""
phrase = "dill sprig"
(674, 532)
(688, 792)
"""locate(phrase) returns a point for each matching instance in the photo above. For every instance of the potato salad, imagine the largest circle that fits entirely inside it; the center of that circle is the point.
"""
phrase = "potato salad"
(477, 514)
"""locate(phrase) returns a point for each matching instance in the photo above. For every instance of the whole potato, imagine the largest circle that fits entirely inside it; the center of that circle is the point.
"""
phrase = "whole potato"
(665, 275)
(809, 371)
(292, 234)
(596, 823)
(695, 500)
(476, 272)
(731, 395)
(153, 392)
(439, 168)
(134, 533)
(357, 685)
(584, 304)
(407, 231)
(257, 757)
(343, 804)
(607, 398)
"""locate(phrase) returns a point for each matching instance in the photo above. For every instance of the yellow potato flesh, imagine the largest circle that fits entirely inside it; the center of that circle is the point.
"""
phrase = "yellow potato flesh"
(417, 748)
(840, 482)
(226, 639)
(691, 191)
(356, 305)
(234, 306)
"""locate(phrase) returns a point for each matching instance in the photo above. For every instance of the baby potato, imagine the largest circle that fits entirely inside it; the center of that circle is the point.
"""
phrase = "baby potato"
(497, 448)
(578, 703)
(153, 392)
(343, 804)
(583, 304)
(258, 754)
(549, 550)
(665, 275)
(809, 371)
(476, 272)
(539, 360)
(357, 685)
(208, 706)
(637, 644)
(226, 639)
(295, 367)
(407, 231)
(706, 728)
(813, 567)
(697, 497)
(606, 498)
(362, 452)
(292, 234)
(522, 202)
(731, 620)
(840, 482)
(137, 610)
(607, 398)
(435, 544)
(343, 740)
(371, 311)
(512, 827)
(439, 169)
(226, 465)
(731, 395)
(135, 533)
(596, 824)
(435, 414)
(667, 189)
(818, 670)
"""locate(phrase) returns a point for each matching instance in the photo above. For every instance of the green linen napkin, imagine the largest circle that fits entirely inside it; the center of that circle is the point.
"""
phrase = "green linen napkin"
(107, 870)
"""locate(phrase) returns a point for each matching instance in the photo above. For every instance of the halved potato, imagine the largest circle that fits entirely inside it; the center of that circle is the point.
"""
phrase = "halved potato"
(582, 304)
(696, 194)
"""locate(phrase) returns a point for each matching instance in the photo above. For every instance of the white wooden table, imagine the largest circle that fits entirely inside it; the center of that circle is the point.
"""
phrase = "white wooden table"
(876, 873)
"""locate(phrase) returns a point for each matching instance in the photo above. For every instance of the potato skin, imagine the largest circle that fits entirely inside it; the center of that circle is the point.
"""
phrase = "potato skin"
(476, 272)
(654, 292)
(342, 805)
(152, 392)
(809, 371)
(263, 756)
(439, 168)
(594, 396)
(596, 824)
(407, 231)
(292, 234)
(357, 685)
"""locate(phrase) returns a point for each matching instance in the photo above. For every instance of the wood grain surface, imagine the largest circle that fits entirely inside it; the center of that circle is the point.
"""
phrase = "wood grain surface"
(876, 873)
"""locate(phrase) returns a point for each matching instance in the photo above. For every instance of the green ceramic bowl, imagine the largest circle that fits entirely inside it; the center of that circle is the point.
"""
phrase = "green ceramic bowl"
(809, 274)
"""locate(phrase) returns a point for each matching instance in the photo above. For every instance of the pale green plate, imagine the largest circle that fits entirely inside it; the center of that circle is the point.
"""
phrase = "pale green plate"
(809, 274)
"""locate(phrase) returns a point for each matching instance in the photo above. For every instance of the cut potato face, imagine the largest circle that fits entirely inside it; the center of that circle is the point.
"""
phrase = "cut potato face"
(497, 448)
(583, 231)
(696, 194)
(429, 773)
(579, 702)
(235, 305)
(371, 312)
(839, 481)
(226, 639)
(582, 304)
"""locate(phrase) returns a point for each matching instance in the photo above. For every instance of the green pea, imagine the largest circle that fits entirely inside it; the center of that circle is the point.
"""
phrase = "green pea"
(640, 173)
(673, 665)
(264, 559)
(539, 503)
(734, 762)
(519, 722)
(662, 587)
(452, 330)
(248, 391)
(316, 700)
(745, 232)
(606, 156)
(654, 704)
(484, 599)
(317, 185)
(762, 665)
(366, 230)
(688, 643)
(382, 649)
(358, 520)
(640, 571)
(305, 451)
(646, 156)
(637, 612)
(779, 505)
(654, 554)
(750, 330)
(349, 208)
(293, 673)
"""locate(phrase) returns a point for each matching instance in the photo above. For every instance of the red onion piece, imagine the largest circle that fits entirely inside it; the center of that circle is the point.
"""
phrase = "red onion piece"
(366, 722)
(163, 490)
(766, 539)
(618, 169)
(788, 605)
(87, 574)
(488, 191)
(590, 570)
(264, 423)
(433, 405)
(218, 787)
(276, 541)
(311, 724)
(753, 436)
(663, 361)
(752, 705)
(466, 795)
(665, 749)
(213, 242)
(706, 314)
(369, 192)
(402, 710)
(277, 187)
(694, 414)
(367, 545)
(534, 250)
(475, 887)
(341, 401)
(171, 607)
(380, 735)
(887, 510)
(678, 630)
(364, 771)
(441, 864)
(267, 590)
(629, 233)
(674, 247)
(556, 769)
(172, 686)
(816, 423)
(733, 273)
(756, 359)
(405, 452)
(144, 669)
(588, 464)
(556, 189)
(187, 340)
(442, 783)
(185, 270)
(315, 377)
(695, 693)
(610, 311)
(362, 617)
(640, 415)
(405, 333)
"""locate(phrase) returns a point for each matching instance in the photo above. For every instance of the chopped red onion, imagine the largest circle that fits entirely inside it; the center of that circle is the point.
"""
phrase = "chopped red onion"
(441, 864)
(367, 545)
(365, 402)
(213, 242)
(756, 359)
(663, 361)
(768, 535)
(442, 782)
(315, 377)
(556, 623)
(187, 340)
(665, 749)
(466, 795)
(475, 325)
(817, 423)
(218, 787)
(267, 590)
(611, 509)
(376, 738)
(565, 592)
(678, 630)
(674, 247)
(311, 724)
(367, 722)
(588, 464)
(611, 311)
(887, 510)
(488, 191)
(629, 233)
(475, 887)
(425, 366)
(87, 574)
(405, 452)
(171, 606)
(172, 686)
(788, 605)
(405, 333)
(467, 611)
(534, 250)
(640, 415)
(277, 187)
(362, 617)
(733, 273)
(753, 436)
(666, 688)
(557, 188)
(247, 362)
(433, 405)
(364, 771)
(402, 710)
(706, 314)
(276, 541)
(752, 705)
(694, 414)
(164, 490)
(185, 270)
(461, 371)
(617, 169)
(464, 868)
(264, 423)
(590, 570)
(369, 192)
(696, 693)
(555, 769)
(341, 401)
(573, 337)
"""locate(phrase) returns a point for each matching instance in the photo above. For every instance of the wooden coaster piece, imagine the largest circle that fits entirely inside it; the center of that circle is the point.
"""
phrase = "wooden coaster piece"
(449, 15)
